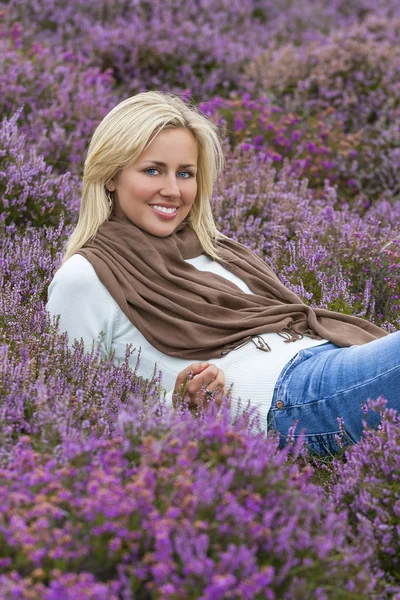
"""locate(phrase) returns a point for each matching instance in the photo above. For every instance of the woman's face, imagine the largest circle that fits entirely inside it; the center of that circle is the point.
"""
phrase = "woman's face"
(164, 176)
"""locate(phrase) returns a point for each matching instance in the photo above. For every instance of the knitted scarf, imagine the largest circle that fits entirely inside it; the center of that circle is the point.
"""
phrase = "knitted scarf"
(193, 314)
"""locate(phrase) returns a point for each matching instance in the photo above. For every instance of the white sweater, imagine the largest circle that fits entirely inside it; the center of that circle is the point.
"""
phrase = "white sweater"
(86, 309)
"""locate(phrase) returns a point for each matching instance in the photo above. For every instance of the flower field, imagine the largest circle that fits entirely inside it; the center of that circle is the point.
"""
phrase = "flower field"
(105, 493)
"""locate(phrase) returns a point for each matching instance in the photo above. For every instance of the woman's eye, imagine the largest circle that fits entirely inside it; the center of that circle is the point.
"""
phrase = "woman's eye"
(187, 173)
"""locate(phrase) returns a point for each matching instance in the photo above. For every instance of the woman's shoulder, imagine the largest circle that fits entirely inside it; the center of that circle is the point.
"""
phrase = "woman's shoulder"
(77, 270)
(77, 281)
(83, 304)
(76, 286)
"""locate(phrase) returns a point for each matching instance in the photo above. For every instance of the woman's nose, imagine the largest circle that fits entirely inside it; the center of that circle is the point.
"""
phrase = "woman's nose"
(170, 186)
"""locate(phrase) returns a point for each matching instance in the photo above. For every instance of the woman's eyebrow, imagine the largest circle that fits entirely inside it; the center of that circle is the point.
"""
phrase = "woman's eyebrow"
(162, 164)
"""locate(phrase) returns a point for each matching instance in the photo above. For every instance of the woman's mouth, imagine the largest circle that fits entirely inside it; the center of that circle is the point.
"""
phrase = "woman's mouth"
(164, 213)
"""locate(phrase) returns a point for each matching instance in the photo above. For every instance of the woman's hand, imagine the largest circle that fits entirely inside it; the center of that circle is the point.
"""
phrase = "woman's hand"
(197, 381)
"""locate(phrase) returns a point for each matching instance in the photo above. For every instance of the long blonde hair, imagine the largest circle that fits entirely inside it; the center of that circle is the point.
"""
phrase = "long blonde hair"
(118, 141)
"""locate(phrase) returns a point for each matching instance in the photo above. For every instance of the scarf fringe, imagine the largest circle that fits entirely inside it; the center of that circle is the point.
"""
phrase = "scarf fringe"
(235, 346)
(311, 334)
(291, 335)
(261, 344)
(287, 333)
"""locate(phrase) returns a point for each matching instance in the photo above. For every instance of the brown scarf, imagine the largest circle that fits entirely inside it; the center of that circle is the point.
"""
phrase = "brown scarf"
(191, 314)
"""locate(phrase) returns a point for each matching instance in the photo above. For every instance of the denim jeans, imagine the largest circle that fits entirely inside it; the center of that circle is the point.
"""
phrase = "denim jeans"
(325, 382)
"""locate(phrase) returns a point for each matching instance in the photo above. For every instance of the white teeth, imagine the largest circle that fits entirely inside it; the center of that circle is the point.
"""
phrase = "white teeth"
(168, 211)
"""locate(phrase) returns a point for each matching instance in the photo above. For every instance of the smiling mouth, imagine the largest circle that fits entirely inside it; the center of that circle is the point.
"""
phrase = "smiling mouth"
(169, 209)
(165, 213)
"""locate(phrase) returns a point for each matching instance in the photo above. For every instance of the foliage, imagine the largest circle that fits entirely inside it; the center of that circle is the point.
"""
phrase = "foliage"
(106, 492)
(367, 485)
(173, 506)
(30, 193)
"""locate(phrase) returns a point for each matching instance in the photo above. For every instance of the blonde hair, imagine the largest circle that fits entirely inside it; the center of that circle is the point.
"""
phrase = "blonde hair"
(118, 141)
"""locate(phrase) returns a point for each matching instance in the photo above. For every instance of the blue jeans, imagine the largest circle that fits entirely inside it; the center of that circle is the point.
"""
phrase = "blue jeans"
(325, 382)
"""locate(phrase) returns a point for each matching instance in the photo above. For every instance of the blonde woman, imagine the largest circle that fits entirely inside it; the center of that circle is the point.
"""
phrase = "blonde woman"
(147, 266)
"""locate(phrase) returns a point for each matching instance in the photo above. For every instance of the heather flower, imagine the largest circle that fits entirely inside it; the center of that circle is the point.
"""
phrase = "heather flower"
(353, 70)
(62, 100)
(328, 252)
(178, 506)
(106, 492)
(29, 190)
(67, 586)
(314, 145)
(211, 45)
(367, 485)
(350, 79)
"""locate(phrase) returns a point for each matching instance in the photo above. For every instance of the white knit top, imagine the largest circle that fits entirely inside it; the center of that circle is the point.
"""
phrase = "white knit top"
(87, 309)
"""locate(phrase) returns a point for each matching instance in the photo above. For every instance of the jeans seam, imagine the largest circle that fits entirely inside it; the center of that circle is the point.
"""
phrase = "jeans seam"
(281, 387)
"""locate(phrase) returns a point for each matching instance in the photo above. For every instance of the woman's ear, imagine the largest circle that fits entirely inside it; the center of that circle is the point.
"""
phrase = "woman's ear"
(111, 185)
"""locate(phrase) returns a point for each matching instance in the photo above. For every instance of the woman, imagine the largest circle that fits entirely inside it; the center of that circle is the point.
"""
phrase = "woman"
(146, 265)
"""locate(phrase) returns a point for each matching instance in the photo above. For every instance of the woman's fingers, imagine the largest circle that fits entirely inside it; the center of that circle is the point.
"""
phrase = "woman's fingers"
(189, 372)
(211, 380)
(205, 377)
(198, 381)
